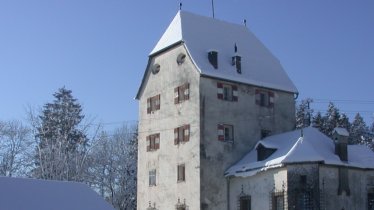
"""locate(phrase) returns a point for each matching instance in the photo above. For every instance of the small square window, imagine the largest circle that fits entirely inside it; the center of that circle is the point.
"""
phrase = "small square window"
(264, 98)
(225, 132)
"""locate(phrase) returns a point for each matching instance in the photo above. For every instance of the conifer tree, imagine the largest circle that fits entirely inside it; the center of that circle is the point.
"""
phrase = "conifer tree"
(304, 113)
(61, 143)
(359, 131)
(344, 122)
(332, 118)
(318, 122)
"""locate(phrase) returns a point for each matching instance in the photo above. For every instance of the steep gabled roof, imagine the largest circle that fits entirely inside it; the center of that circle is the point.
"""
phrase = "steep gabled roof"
(201, 34)
(33, 194)
(291, 147)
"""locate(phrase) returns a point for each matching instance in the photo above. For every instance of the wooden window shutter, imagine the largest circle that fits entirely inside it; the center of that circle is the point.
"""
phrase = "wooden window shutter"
(235, 93)
(186, 131)
(148, 143)
(148, 105)
(258, 97)
(157, 141)
(176, 95)
(186, 91)
(176, 136)
(158, 104)
(221, 134)
(271, 99)
(219, 90)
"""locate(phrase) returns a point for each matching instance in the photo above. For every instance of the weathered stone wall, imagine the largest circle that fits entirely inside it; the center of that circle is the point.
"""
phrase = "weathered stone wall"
(165, 160)
(359, 185)
(258, 187)
(248, 119)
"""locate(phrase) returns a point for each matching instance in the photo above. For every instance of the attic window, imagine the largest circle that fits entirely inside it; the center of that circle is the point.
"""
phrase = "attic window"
(156, 68)
(213, 58)
(181, 58)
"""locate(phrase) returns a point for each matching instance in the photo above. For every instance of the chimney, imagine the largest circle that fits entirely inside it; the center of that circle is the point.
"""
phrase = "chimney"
(213, 58)
(340, 136)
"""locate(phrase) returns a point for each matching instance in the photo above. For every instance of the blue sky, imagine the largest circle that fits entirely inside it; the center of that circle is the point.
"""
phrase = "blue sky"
(99, 49)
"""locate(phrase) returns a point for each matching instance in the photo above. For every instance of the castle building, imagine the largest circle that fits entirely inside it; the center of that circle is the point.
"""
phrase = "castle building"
(216, 130)
(210, 91)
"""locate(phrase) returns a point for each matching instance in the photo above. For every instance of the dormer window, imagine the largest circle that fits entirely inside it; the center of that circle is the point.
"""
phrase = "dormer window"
(263, 153)
(237, 62)
(213, 58)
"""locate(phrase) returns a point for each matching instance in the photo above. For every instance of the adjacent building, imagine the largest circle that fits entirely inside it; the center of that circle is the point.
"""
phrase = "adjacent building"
(304, 170)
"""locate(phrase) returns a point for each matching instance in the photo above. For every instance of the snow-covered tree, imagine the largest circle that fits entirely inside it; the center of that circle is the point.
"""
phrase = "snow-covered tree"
(113, 167)
(344, 122)
(331, 119)
(61, 143)
(304, 113)
(15, 143)
(318, 122)
(359, 131)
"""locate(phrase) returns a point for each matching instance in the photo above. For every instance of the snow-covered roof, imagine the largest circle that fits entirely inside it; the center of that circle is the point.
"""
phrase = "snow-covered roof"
(341, 131)
(33, 194)
(201, 34)
(291, 147)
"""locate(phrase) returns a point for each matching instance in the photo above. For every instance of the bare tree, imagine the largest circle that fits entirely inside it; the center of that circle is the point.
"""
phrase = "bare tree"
(15, 144)
(113, 163)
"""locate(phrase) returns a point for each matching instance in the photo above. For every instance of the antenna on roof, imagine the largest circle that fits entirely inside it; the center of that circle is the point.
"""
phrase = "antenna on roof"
(245, 22)
(180, 5)
(213, 7)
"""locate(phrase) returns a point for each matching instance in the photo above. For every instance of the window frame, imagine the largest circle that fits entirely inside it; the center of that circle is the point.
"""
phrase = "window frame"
(152, 177)
(182, 93)
(181, 173)
(153, 142)
(182, 134)
(245, 198)
(227, 92)
(223, 135)
(153, 103)
(264, 98)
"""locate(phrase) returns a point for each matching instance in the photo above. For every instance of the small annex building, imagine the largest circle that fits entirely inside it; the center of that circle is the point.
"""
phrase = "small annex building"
(34, 194)
(304, 169)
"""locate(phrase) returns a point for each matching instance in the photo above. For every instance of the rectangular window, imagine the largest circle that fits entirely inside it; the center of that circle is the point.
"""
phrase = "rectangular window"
(278, 201)
(152, 177)
(264, 98)
(227, 92)
(153, 142)
(181, 93)
(181, 134)
(225, 132)
(153, 104)
(181, 173)
(245, 203)
(371, 200)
